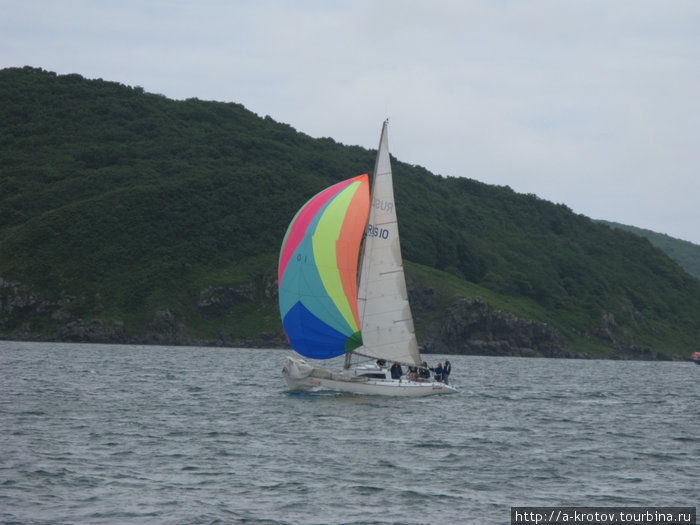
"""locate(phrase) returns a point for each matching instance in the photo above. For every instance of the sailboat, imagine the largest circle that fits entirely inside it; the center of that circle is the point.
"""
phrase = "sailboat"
(330, 309)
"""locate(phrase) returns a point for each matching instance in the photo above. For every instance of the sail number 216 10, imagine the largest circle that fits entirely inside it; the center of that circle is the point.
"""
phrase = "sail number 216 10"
(375, 231)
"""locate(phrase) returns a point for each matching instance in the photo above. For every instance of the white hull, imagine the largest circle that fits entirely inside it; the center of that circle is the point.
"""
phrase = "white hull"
(302, 377)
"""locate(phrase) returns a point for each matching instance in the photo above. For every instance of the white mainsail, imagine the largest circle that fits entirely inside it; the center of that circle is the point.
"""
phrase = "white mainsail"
(385, 314)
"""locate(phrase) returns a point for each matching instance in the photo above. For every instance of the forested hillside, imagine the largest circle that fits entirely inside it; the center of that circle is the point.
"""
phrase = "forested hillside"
(129, 217)
(683, 252)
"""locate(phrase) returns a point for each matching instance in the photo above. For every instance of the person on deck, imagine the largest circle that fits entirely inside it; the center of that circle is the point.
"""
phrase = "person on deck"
(446, 371)
(396, 371)
(424, 372)
(438, 373)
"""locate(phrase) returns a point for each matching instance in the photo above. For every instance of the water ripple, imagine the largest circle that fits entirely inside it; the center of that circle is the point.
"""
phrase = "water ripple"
(132, 434)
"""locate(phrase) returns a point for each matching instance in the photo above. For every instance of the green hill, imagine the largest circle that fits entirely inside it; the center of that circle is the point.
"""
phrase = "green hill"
(126, 216)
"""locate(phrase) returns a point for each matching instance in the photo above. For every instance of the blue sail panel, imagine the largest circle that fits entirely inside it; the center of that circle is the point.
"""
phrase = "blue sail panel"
(310, 336)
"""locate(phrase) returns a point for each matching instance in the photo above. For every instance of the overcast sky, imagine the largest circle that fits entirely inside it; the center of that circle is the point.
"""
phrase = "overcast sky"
(591, 103)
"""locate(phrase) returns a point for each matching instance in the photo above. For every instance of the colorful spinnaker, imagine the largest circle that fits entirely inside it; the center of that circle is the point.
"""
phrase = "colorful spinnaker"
(318, 271)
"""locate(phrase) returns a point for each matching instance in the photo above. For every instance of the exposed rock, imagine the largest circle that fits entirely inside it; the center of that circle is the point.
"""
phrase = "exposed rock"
(270, 290)
(19, 300)
(641, 353)
(471, 327)
(93, 331)
(214, 301)
(61, 317)
(423, 300)
(164, 329)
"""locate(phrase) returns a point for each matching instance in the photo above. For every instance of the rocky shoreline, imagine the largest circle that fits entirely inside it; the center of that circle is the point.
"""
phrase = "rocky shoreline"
(468, 327)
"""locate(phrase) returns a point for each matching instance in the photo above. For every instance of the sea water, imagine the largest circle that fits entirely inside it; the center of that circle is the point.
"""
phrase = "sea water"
(139, 434)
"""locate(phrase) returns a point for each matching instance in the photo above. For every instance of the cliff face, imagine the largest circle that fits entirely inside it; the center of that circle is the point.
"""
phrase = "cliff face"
(471, 327)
